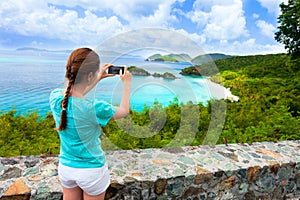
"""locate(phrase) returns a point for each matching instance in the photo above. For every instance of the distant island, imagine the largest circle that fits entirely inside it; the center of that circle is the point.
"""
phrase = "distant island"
(107, 53)
(141, 72)
(191, 71)
(42, 50)
(138, 71)
(160, 58)
(186, 58)
(166, 75)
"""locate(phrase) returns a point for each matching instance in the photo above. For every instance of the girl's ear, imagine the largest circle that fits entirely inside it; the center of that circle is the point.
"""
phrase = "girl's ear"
(90, 76)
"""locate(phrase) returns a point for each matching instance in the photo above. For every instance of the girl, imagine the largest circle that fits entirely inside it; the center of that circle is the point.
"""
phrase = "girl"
(82, 169)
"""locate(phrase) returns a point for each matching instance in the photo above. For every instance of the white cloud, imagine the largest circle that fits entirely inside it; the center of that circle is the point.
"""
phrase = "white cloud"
(36, 43)
(247, 47)
(221, 20)
(42, 20)
(199, 17)
(46, 19)
(161, 17)
(255, 15)
(199, 39)
(266, 28)
(154, 13)
(272, 5)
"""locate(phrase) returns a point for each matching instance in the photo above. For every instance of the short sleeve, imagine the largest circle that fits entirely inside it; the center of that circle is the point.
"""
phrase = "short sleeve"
(55, 99)
(104, 112)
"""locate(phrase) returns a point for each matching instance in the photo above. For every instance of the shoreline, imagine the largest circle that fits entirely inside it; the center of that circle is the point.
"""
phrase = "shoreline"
(226, 91)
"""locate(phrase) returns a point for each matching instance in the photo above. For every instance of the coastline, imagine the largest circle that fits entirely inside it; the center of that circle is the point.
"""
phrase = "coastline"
(220, 91)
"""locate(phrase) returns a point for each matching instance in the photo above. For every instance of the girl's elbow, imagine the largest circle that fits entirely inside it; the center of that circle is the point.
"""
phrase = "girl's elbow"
(125, 112)
(121, 113)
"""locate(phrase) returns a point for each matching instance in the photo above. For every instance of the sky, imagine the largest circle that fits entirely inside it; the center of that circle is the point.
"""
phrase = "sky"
(235, 27)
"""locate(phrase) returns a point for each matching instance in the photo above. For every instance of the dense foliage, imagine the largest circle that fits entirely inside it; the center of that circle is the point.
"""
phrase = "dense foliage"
(27, 135)
(163, 58)
(138, 71)
(269, 91)
(208, 58)
(166, 75)
(186, 58)
(289, 26)
(268, 110)
(192, 71)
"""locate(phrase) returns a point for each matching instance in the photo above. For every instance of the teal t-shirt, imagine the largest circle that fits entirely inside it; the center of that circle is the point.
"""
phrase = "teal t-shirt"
(80, 145)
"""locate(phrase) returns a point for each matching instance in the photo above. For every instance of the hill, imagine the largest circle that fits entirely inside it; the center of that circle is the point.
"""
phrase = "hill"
(180, 57)
(142, 72)
(161, 58)
(209, 57)
(269, 91)
(186, 58)
(138, 71)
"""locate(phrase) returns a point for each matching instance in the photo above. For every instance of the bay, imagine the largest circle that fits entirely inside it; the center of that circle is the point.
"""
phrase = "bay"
(28, 77)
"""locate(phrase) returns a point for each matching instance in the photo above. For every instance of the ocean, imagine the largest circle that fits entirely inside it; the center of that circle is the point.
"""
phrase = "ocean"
(28, 77)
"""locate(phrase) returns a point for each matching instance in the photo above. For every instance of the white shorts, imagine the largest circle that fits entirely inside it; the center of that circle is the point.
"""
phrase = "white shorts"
(93, 181)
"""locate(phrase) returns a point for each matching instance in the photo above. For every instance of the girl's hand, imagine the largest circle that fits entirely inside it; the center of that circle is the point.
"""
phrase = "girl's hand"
(126, 77)
(103, 74)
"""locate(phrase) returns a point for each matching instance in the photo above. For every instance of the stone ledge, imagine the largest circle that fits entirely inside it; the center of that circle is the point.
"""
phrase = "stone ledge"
(235, 171)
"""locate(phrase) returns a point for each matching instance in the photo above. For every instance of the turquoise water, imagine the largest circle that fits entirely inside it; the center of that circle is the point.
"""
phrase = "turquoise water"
(27, 78)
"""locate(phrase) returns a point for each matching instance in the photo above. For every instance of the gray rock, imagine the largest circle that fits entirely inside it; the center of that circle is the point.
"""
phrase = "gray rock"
(31, 163)
(9, 161)
(13, 172)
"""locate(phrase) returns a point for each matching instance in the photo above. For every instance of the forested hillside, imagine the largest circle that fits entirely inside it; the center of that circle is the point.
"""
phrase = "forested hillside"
(268, 87)
(269, 91)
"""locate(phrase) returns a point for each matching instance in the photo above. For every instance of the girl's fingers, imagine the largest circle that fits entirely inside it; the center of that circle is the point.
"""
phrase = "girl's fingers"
(106, 66)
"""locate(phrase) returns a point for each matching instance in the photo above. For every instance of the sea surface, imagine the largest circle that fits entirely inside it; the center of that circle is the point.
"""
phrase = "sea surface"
(28, 77)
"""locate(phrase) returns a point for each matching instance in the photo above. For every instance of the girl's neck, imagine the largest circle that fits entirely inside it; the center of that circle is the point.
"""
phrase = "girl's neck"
(77, 91)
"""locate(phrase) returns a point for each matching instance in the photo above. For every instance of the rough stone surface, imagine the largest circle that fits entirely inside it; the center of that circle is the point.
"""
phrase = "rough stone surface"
(234, 171)
(18, 191)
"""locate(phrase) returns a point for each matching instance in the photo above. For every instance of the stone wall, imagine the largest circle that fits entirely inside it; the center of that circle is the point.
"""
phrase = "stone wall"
(234, 171)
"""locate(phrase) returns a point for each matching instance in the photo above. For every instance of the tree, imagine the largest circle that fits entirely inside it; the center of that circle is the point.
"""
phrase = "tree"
(289, 27)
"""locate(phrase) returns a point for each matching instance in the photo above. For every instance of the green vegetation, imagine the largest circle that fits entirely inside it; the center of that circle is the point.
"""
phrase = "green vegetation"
(192, 71)
(165, 58)
(208, 58)
(289, 27)
(268, 110)
(138, 71)
(269, 91)
(180, 57)
(186, 58)
(141, 72)
(27, 135)
(166, 75)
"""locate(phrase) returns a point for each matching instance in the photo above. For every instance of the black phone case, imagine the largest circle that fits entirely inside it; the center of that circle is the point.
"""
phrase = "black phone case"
(116, 69)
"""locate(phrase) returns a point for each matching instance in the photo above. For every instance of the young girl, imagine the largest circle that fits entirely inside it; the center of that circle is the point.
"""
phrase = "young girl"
(82, 169)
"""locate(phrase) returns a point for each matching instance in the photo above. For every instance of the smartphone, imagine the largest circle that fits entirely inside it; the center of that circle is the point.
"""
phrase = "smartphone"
(116, 69)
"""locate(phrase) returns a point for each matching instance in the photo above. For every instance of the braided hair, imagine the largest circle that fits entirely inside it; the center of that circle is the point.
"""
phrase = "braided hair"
(80, 62)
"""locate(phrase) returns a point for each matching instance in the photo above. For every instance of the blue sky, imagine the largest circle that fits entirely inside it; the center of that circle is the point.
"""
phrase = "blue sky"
(239, 27)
